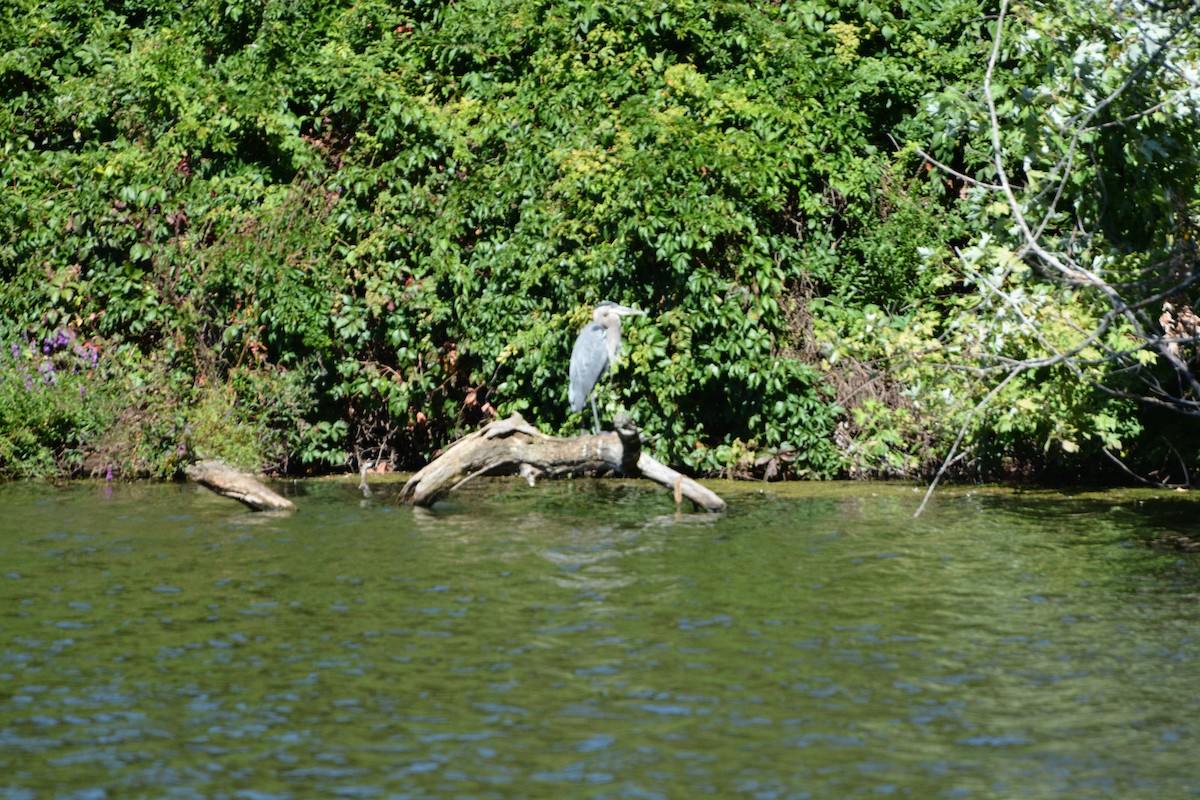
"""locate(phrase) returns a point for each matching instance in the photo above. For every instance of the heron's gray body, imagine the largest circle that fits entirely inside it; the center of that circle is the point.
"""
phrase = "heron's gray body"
(595, 348)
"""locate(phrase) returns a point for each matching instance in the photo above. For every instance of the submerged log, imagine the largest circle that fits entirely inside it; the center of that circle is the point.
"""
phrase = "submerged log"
(513, 446)
(229, 482)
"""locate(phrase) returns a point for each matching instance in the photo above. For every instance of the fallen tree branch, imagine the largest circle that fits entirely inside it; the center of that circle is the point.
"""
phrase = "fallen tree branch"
(513, 446)
(229, 482)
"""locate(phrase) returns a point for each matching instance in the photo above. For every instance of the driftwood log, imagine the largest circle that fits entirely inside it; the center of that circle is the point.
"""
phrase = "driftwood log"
(512, 445)
(229, 482)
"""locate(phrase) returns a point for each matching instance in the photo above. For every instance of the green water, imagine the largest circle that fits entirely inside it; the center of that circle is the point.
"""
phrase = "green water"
(581, 641)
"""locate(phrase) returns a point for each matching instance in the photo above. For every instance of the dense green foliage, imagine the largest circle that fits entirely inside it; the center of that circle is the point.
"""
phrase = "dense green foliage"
(293, 233)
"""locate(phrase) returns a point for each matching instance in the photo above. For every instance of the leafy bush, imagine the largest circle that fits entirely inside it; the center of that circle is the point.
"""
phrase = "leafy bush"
(314, 232)
(53, 404)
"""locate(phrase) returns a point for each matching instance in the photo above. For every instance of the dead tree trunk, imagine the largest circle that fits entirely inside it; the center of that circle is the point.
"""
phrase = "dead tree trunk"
(225, 480)
(512, 445)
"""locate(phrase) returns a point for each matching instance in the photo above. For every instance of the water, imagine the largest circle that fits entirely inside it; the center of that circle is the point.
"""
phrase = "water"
(581, 641)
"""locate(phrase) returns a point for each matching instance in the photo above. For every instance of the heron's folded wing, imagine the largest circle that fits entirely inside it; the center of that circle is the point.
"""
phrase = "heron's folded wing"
(588, 361)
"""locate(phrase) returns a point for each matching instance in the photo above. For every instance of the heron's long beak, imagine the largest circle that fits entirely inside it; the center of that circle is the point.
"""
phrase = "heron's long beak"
(627, 311)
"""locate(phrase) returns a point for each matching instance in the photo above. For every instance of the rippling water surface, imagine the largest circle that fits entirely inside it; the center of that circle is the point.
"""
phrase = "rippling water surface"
(582, 641)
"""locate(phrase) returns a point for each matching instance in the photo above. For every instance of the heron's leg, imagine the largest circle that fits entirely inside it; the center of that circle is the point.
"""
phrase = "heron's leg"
(595, 416)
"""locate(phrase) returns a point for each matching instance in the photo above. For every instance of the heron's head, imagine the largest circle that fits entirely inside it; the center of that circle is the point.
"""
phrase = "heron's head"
(609, 313)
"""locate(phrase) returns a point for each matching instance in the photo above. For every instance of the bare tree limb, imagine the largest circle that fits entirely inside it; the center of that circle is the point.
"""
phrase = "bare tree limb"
(512, 445)
(962, 432)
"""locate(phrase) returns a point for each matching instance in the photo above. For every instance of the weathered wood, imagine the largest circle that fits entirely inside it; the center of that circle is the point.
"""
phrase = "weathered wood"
(512, 446)
(681, 485)
(229, 482)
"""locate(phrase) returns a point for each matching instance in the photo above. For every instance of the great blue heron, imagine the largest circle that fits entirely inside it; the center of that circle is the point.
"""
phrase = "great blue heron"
(595, 348)
(363, 468)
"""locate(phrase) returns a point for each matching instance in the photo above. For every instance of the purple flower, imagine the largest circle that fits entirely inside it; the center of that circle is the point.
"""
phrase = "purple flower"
(87, 352)
(58, 341)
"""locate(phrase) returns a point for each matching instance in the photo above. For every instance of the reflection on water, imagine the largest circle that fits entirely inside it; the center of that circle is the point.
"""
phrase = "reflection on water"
(582, 641)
